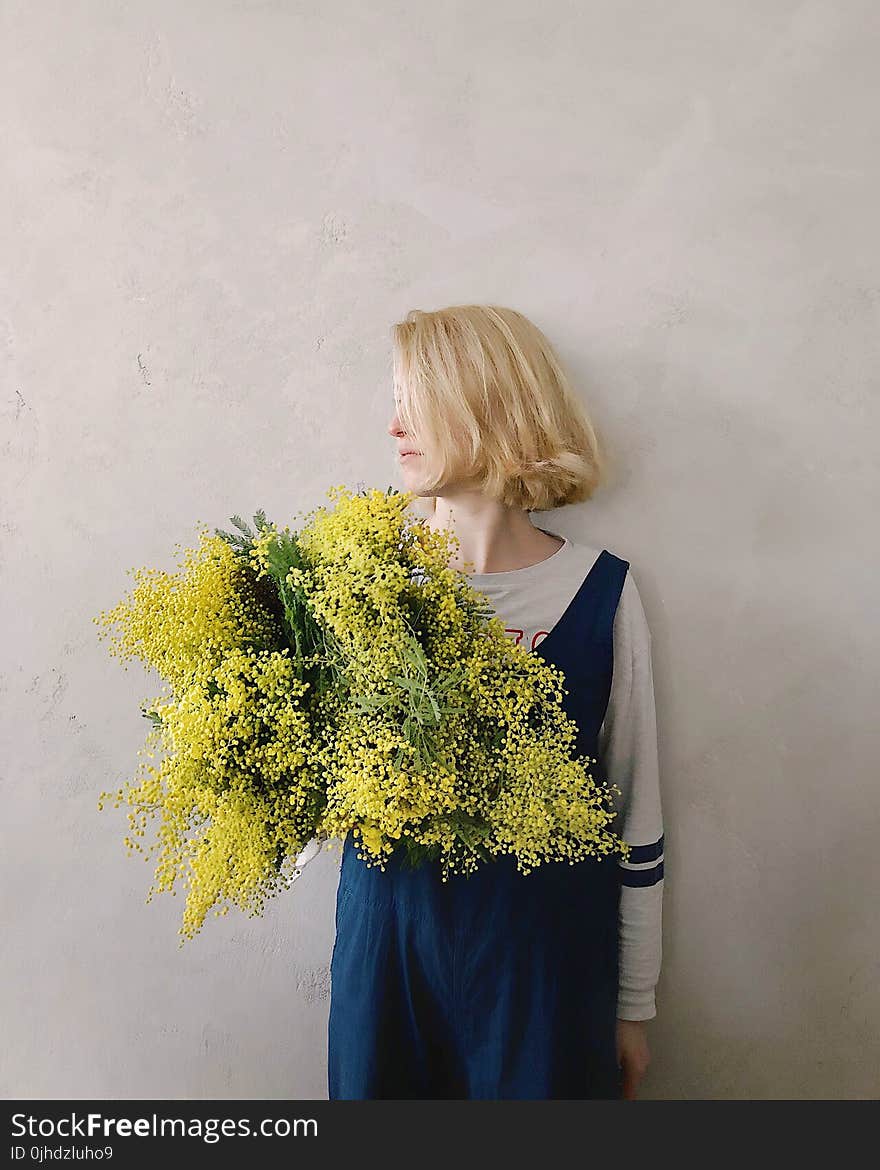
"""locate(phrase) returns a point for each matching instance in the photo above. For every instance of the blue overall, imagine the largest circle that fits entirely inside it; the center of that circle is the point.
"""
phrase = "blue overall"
(495, 984)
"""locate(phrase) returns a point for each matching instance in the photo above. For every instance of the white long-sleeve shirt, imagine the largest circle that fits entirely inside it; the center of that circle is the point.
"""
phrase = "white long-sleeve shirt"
(531, 601)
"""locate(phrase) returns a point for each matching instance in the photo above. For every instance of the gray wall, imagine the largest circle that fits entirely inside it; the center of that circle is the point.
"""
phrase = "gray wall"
(212, 213)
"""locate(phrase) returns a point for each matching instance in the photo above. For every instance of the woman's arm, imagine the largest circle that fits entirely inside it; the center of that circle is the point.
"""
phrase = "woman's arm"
(309, 853)
(628, 748)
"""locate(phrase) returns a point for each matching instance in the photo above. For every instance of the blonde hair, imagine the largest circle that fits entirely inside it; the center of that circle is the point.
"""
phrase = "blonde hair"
(483, 393)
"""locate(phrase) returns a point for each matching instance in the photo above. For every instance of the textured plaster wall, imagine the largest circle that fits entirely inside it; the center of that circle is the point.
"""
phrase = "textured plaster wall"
(212, 213)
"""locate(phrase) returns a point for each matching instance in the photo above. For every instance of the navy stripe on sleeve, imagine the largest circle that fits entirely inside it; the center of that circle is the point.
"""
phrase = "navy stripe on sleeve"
(641, 853)
(641, 877)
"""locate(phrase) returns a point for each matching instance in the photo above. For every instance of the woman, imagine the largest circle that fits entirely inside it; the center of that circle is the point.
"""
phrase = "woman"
(504, 985)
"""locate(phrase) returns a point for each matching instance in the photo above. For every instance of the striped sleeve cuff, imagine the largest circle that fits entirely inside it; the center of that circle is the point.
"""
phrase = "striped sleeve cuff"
(644, 866)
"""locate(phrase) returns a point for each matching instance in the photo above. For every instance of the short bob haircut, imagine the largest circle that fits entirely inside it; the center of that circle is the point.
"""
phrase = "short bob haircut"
(483, 393)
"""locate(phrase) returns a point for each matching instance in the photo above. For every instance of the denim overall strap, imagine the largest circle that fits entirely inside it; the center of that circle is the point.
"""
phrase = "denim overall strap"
(581, 644)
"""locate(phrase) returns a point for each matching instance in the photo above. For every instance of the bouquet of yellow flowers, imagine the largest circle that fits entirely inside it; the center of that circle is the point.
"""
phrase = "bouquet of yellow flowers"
(342, 678)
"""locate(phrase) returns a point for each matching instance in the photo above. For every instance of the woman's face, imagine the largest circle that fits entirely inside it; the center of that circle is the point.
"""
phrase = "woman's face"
(409, 457)
(412, 462)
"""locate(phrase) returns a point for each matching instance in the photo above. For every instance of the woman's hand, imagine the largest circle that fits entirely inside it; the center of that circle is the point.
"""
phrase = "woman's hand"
(633, 1055)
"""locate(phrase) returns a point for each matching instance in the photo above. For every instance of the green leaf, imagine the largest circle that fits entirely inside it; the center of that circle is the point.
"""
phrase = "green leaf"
(436, 709)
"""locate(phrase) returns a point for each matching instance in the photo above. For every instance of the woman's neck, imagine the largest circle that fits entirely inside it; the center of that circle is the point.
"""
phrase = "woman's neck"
(493, 538)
